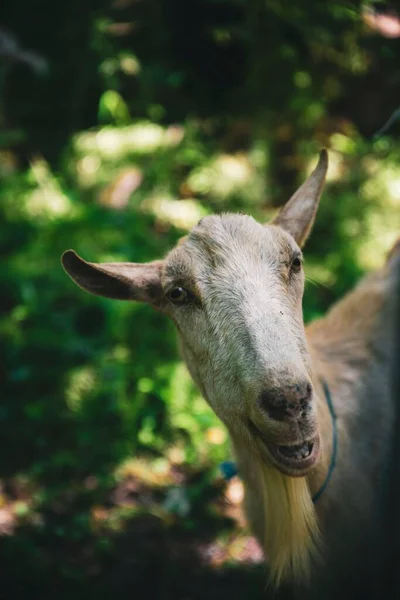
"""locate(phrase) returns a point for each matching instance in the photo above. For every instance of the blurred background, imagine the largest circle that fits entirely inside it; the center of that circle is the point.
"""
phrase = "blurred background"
(122, 123)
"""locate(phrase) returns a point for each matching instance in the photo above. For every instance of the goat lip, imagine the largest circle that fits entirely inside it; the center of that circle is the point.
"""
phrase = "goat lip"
(295, 460)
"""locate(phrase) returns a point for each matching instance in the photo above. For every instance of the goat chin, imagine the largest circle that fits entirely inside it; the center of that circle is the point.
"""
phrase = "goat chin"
(292, 537)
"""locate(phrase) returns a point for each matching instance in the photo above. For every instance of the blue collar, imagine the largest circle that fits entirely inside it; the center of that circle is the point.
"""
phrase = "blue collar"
(332, 464)
(229, 468)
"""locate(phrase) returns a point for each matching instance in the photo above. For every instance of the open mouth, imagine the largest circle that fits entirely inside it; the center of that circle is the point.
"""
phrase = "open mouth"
(294, 459)
(298, 452)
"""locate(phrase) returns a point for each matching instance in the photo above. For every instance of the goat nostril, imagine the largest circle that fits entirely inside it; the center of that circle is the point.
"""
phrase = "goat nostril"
(275, 407)
(278, 413)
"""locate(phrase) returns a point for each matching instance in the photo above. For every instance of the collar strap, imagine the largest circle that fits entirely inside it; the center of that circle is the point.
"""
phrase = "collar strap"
(229, 468)
(332, 464)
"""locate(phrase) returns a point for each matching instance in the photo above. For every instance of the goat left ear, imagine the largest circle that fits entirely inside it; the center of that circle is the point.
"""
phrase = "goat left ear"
(120, 281)
(298, 214)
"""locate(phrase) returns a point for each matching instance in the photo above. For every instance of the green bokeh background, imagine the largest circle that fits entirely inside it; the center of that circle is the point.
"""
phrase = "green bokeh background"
(121, 124)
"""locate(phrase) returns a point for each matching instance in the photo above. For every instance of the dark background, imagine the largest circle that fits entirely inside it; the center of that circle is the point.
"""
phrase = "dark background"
(121, 124)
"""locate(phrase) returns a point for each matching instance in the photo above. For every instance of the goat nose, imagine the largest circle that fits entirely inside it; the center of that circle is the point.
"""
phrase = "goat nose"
(288, 403)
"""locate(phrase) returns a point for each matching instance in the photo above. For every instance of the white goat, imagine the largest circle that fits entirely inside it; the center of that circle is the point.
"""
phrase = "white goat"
(308, 412)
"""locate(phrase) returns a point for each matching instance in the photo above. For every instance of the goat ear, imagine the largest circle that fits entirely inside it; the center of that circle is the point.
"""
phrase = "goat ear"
(121, 281)
(298, 214)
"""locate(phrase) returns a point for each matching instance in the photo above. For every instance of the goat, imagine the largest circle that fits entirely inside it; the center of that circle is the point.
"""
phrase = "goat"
(308, 410)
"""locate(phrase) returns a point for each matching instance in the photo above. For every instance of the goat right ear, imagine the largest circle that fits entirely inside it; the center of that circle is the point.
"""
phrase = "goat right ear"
(121, 281)
(298, 214)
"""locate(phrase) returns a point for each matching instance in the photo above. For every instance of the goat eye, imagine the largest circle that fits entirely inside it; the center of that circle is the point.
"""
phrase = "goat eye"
(178, 295)
(296, 264)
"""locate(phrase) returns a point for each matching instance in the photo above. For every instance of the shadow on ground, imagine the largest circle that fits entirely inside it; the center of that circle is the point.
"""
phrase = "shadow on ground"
(133, 543)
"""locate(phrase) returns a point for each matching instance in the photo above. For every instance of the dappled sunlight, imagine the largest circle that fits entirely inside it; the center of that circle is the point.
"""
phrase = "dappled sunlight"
(387, 25)
(384, 186)
(141, 138)
(80, 384)
(373, 252)
(144, 138)
(394, 189)
(87, 170)
(343, 143)
(224, 176)
(18, 505)
(47, 200)
(183, 214)
(236, 548)
(47, 203)
(153, 473)
(216, 435)
(126, 62)
(382, 191)
(336, 166)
